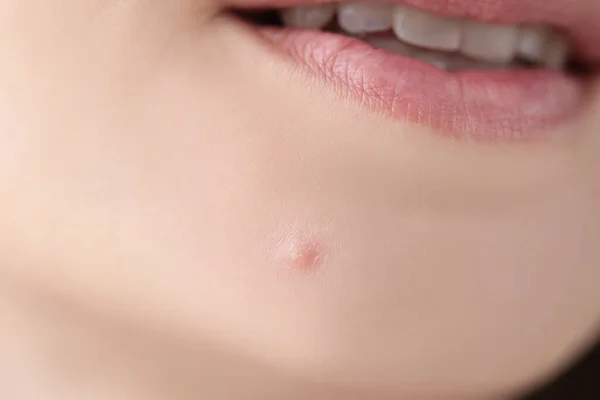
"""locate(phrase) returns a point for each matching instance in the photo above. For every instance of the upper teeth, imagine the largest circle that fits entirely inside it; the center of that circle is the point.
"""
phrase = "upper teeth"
(359, 18)
(485, 42)
(427, 30)
(309, 16)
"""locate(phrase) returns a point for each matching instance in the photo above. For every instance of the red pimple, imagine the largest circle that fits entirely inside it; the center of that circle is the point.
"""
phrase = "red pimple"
(303, 254)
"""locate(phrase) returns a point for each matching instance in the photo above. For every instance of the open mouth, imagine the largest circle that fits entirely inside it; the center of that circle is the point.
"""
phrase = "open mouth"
(459, 67)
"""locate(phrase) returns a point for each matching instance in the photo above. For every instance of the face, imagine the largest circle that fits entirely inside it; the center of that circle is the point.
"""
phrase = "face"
(301, 208)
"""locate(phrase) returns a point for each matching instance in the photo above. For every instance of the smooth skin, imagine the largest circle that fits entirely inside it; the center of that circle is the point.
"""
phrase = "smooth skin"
(183, 218)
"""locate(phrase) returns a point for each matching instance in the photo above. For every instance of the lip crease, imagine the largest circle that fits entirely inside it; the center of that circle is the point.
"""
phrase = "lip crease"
(512, 105)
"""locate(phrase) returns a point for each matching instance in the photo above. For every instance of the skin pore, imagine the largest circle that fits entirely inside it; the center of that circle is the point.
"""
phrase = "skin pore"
(182, 218)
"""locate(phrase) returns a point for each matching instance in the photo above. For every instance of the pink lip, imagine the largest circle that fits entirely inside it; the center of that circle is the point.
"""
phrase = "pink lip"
(487, 105)
(490, 105)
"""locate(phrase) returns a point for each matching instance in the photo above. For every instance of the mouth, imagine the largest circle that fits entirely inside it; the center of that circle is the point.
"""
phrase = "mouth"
(491, 71)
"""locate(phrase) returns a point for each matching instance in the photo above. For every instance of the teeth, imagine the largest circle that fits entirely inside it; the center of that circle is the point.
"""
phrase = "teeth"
(448, 43)
(453, 62)
(489, 42)
(308, 17)
(441, 60)
(532, 42)
(359, 18)
(446, 61)
(391, 44)
(426, 30)
(556, 52)
(462, 63)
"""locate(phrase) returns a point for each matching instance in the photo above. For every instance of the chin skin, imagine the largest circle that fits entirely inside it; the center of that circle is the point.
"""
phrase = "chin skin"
(210, 194)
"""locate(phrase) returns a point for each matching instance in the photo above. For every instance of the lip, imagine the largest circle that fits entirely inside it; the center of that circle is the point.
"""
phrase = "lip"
(512, 105)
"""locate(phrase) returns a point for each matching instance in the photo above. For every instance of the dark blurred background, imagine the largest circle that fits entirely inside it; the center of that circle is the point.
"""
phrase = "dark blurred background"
(582, 382)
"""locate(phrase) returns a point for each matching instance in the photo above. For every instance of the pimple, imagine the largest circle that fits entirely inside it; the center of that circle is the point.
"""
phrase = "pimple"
(302, 253)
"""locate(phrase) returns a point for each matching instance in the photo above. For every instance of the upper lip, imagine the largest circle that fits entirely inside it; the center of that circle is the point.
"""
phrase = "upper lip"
(578, 18)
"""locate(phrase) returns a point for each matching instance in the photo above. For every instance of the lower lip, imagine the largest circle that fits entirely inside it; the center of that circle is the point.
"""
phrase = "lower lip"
(493, 105)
